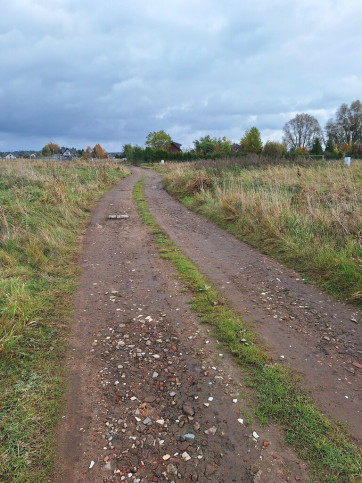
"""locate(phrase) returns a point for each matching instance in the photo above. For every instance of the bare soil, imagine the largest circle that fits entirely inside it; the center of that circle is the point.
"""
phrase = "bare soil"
(151, 396)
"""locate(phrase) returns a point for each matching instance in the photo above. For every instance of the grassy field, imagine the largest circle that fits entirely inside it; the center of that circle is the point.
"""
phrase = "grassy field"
(278, 395)
(307, 216)
(43, 208)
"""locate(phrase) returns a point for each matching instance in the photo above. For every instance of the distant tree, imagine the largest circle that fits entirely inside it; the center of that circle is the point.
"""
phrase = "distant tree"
(273, 149)
(87, 154)
(343, 122)
(204, 146)
(330, 147)
(301, 131)
(334, 132)
(356, 123)
(345, 147)
(149, 154)
(346, 129)
(317, 148)
(158, 140)
(46, 151)
(55, 149)
(222, 146)
(251, 142)
(50, 148)
(127, 151)
(98, 152)
(137, 153)
(208, 145)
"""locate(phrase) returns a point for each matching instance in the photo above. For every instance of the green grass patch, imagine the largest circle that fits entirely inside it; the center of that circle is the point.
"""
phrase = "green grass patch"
(43, 208)
(324, 445)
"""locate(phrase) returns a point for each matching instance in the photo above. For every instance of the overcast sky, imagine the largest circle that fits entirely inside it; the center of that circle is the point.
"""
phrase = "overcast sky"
(81, 72)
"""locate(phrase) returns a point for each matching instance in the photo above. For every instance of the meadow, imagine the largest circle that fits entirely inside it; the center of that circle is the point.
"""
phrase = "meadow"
(43, 209)
(306, 215)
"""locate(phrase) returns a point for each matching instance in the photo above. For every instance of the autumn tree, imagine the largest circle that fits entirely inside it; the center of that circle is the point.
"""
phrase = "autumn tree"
(50, 149)
(301, 131)
(98, 152)
(251, 142)
(160, 141)
(55, 149)
(46, 151)
(87, 154)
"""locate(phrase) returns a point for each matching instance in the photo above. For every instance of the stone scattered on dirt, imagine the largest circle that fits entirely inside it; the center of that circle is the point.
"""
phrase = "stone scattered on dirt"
(118, 217)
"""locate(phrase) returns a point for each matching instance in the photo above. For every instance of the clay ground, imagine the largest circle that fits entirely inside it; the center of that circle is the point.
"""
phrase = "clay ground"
(151, 396)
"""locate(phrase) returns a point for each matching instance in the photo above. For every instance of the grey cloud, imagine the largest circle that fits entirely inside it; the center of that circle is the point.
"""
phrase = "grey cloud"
(86, 72)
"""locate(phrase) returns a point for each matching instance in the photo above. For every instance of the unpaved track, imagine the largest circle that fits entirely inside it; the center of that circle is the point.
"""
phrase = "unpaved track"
(305, 329)
(137, 355)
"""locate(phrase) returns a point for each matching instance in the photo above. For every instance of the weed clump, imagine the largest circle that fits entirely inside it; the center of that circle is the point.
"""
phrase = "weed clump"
(196, 184)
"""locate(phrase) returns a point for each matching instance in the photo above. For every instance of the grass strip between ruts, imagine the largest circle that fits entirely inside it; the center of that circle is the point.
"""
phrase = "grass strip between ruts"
(325, 445)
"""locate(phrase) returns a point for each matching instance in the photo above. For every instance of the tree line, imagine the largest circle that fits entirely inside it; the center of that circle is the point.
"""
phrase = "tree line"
(303, 135)
(342, 135)
(52, 148)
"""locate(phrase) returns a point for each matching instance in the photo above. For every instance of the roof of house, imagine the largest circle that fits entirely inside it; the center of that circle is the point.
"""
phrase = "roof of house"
(72, 151)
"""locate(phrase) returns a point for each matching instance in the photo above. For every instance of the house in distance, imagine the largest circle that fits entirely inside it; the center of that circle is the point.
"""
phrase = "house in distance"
(174, 148)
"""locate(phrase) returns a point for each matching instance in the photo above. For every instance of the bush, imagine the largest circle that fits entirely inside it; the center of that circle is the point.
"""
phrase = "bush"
(273, 149)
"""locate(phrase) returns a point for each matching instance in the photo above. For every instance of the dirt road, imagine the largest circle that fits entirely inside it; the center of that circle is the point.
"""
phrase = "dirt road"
(150, 396)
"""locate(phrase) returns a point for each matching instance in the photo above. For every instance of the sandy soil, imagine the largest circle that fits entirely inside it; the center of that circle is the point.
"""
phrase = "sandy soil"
(151, 396)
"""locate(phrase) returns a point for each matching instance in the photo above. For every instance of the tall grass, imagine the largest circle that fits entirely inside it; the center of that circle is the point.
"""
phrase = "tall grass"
(309, 217)
(43, 206)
